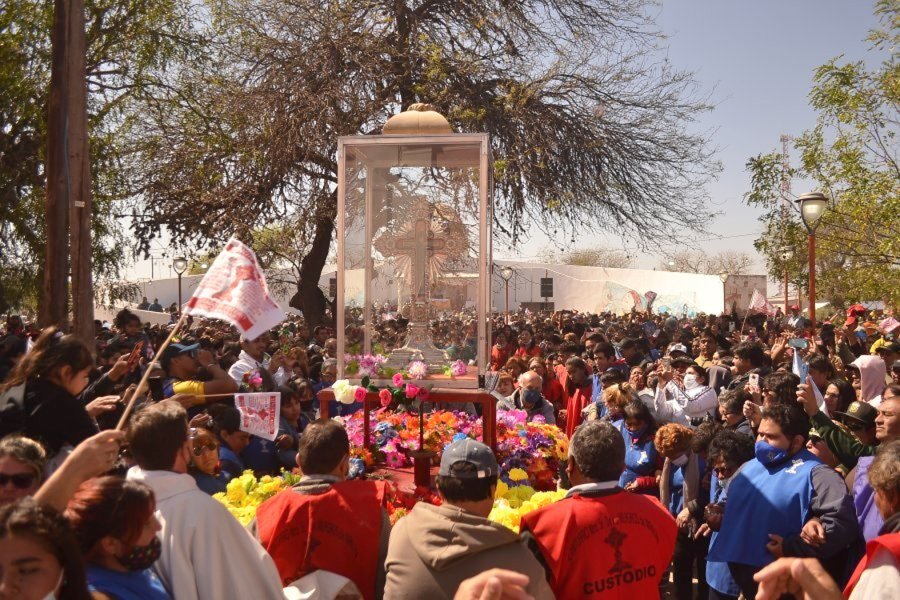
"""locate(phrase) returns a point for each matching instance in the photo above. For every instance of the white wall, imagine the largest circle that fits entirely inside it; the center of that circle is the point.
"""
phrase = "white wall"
(586, 289)
(597, 289)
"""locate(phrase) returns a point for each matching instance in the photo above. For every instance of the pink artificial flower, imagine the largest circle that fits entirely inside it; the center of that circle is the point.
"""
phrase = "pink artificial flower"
(417, 369)
(422, 394)
(394, 460)
(458, 368)
(384, 396)
(359, 394)
(397, 379)
(411, 391)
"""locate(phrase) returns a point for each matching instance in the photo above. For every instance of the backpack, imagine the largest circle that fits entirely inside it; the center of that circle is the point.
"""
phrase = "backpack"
(12, 410)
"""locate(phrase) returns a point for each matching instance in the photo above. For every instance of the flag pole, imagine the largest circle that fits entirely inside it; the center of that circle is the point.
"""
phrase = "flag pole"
(143, 383)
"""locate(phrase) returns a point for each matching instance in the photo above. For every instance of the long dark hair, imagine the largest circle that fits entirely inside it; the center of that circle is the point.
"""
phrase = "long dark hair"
(51, 351)
(27, 518)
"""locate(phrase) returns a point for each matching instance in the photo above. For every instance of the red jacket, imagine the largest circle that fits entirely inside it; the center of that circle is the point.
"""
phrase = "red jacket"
(889, 542)
(615, 545)
(529, 352)
(338, 531)
(576, 399)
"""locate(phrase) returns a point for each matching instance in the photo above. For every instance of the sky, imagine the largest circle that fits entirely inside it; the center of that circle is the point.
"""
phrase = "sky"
(756, 58)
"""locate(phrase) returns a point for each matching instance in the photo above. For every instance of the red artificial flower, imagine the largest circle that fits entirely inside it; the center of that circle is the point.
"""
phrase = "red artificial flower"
(384, 396)
(359, 394)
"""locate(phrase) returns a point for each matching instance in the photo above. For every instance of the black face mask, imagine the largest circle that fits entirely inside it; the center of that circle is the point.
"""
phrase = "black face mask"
(142, 557)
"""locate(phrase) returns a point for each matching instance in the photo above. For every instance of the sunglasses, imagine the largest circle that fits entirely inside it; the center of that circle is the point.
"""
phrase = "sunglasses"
(19, 480)
(854, 426)
(199, 450)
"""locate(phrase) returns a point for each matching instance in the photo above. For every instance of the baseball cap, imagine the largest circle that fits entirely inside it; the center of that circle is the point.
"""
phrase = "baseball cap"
(795, 307)
(861, 412)
(174, 350)
(472, 451)
(677, 348)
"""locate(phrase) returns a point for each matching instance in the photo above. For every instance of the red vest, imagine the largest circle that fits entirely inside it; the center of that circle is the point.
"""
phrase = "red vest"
(888, 541)
(612, 546)
(338, 531)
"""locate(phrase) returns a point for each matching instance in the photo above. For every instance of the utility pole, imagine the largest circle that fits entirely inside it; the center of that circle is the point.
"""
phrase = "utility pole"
(79, 178)
(785, 202)
(68, 200)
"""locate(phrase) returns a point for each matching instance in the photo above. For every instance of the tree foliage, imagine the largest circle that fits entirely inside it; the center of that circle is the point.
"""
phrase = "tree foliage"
(732, 262)
(588, 257)
(128, 42)
(851, 156)
(585, 126)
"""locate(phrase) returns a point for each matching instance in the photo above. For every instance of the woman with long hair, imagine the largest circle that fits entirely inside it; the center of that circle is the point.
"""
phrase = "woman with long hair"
(114, 522)
(39, 557)
(49, 380)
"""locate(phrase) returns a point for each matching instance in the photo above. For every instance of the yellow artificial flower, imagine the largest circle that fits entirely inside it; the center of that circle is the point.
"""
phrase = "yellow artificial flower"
(518, 475)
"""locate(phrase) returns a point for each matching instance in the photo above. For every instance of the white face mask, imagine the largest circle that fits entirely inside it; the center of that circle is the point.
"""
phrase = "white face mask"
(680, 461)
(51, 595)
(690, 381)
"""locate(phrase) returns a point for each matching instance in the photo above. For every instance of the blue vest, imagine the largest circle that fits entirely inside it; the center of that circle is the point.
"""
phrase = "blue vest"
(231, 464)
(676, 489)
(640, 456)
(717, 574)
(764, 500)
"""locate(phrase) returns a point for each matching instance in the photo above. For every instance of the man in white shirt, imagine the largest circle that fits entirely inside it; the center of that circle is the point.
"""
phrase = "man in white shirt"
(206, 553)
(253, 358)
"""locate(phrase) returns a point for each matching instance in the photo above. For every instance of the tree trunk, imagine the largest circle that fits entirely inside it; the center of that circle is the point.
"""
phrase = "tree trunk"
(309, 297)
(55, 292)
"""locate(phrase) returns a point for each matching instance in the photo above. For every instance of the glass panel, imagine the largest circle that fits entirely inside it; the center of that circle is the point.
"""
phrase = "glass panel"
(412, 220)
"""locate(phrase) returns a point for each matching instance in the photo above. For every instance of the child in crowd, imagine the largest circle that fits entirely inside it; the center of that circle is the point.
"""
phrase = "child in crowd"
(205, 467)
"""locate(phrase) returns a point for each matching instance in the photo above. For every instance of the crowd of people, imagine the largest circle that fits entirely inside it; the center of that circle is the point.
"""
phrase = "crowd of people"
(750, 458)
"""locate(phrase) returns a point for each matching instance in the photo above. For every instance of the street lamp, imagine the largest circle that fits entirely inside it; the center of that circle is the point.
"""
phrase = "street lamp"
(506, 273)
(812, 206)
(786, 254)
(723, 277)
(180, 265)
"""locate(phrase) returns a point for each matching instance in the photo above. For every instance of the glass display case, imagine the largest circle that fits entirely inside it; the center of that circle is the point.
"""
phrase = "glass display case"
(414, 256)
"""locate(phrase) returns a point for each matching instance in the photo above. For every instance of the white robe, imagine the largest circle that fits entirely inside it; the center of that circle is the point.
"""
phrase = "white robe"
(206, 553)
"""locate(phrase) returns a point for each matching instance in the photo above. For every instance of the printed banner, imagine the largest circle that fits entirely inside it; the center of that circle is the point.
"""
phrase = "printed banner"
(259, 413)
(759, 303)
(234, 289)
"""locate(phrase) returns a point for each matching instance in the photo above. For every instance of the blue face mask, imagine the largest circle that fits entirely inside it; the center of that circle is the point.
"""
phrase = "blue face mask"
(531, 397)
(768, 454)
(637, 433)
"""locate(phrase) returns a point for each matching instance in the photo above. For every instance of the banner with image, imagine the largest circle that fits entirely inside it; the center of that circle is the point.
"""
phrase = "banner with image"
(259, 413)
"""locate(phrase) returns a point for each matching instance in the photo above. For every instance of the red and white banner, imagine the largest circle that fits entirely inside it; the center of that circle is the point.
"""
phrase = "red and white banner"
(759, 303)
(259, 413)
(234, 290)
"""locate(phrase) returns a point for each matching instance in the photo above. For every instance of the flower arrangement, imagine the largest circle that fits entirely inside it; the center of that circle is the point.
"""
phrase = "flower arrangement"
(367, 365)
(525, 450)
(347, 393)
(251, 382)
(457, 368)
(511, 503)
(417, 369)
(244, 494)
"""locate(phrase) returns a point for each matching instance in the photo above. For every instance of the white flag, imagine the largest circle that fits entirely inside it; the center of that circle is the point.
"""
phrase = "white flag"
(234, 290)
(759, 303)
(260, 412)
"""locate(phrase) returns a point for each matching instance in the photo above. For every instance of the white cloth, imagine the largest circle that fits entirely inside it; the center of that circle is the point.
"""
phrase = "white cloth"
(206, 553)
(322, 585)
(880, 580)
(246, 364)
(685, 405)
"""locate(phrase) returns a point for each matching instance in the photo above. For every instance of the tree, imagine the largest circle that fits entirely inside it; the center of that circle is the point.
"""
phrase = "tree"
(589, 257)
(586, 129)
(729, 261)
(128, 43)
(850, 155)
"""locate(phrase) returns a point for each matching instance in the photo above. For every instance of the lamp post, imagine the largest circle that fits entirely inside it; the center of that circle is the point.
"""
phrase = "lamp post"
(180, 266)
(812, 206)
(506, 273)
(786, 255)
(723, 277)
